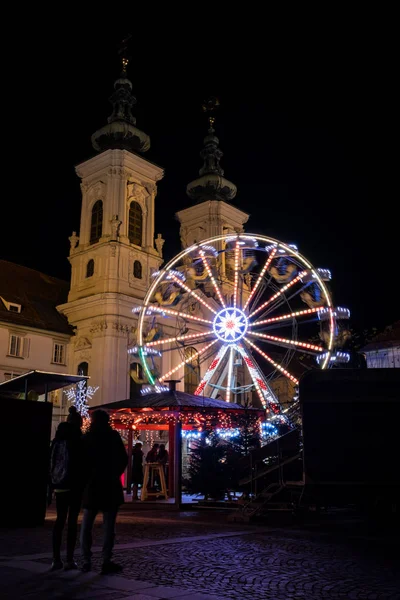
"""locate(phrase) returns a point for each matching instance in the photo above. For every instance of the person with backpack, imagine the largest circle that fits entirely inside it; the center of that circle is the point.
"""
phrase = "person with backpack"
(105, 459)
(66, 482)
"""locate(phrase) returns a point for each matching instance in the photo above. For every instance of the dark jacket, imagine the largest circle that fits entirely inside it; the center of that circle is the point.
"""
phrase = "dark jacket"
(73, 477)
(137, 466)
(105, 460)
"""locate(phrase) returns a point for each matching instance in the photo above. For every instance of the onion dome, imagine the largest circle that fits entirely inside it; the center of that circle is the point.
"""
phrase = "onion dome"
(121, 131)
(211, 185)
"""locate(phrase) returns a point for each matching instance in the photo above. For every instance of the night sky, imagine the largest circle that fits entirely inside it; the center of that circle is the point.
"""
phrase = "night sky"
(301, 140)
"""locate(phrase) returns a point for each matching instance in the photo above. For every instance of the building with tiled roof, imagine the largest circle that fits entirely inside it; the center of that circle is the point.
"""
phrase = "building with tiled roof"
(384, 350)
(33, 334)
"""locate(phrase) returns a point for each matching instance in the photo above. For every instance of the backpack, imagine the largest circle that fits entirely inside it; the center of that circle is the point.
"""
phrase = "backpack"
(59, 463)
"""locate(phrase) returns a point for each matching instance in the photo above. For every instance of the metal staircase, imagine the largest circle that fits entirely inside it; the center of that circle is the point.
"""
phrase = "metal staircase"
(272, 460)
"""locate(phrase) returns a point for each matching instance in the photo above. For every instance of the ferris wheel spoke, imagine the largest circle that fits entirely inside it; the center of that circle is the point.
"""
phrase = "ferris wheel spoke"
(286, 342)
(272, 362)
(229, 379)
(260, 277)
(286, 317)
(211, 276)
(236, 279)
(211, 369)
(278, 293)
(266, 395)
(190, 292)
(178, 338)
(177, 313)
(187, 360)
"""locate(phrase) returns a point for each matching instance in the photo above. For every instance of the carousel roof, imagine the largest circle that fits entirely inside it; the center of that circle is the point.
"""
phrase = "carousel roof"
(172, 400)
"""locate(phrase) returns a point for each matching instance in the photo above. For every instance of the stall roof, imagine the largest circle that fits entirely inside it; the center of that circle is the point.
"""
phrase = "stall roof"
(38, 381)
(172, 400)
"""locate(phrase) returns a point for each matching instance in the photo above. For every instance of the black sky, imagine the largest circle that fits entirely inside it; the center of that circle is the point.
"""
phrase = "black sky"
(301, 136)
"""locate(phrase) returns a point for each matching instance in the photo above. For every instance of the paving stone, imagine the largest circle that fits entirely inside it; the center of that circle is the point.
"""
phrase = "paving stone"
(198, 597)
(173, 557)
(141, 597)
(160, 591)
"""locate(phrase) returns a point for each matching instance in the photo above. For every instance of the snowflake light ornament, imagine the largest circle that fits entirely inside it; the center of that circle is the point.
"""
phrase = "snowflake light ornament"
(78, 396)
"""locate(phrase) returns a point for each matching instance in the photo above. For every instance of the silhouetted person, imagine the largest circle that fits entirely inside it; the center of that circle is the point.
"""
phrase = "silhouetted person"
(66, 482)
(163, 458)
(163, 455)
(137, 469)
(151, 457)
(74, 417)
(152, 454)
(105, 460)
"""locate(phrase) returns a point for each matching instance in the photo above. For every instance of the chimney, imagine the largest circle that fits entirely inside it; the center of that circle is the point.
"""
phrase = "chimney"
(172, 384)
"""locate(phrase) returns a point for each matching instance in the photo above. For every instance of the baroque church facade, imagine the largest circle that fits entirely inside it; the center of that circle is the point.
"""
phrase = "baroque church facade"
(89, 327)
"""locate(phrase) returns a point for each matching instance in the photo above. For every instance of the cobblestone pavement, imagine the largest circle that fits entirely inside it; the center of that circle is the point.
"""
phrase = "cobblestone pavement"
(190, 556)
(142, 525)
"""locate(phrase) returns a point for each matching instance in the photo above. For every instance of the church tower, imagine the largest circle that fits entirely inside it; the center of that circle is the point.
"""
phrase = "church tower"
(212, 213)
(114, 256)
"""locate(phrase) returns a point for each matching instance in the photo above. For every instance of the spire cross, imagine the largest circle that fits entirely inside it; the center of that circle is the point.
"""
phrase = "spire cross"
(209, 107)
(123, 52)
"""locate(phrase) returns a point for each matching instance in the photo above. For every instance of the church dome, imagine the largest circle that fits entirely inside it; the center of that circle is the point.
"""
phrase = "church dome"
(211, 185)
(121, 131)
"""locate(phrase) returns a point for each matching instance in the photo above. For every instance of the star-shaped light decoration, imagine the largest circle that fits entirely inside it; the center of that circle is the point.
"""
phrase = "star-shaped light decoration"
(230, 325)
(78, 396)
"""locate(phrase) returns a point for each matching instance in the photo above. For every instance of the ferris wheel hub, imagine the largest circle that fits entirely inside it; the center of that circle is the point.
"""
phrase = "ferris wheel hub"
(230, 325)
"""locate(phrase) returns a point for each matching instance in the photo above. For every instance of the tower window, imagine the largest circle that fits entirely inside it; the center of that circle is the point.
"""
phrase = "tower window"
(192, 371)
(96, 226)
(137, 269)
(90, 268)
(83, 368)
(135, 224)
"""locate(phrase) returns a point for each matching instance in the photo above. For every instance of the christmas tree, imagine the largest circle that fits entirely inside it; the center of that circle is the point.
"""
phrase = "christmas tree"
(208, 474)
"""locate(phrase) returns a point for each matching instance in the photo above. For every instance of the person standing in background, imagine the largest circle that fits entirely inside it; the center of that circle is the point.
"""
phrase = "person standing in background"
(66, 482)
(137, 469)
(105, 459)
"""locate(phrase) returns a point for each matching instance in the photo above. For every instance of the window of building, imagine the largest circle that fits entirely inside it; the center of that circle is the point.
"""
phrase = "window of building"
(8, 376)
(18, 346)
(54, 398)
(15, 348)
(192, 371)
(11, 306)
(90, 268)
(14, 307)
(137, 269)
(59, 353)
(96, 226)
(135, 228)
(83, 368)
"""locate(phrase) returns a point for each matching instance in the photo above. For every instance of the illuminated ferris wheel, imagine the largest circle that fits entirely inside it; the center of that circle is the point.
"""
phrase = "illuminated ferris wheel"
(235, 312)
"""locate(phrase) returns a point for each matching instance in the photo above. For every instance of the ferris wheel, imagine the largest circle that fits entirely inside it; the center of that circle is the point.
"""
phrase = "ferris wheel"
(236, 311)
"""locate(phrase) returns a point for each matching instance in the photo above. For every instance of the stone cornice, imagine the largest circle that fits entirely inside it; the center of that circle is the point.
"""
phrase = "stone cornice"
(120, 159)
(99, 300)
(24, 330)
(223, 209)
